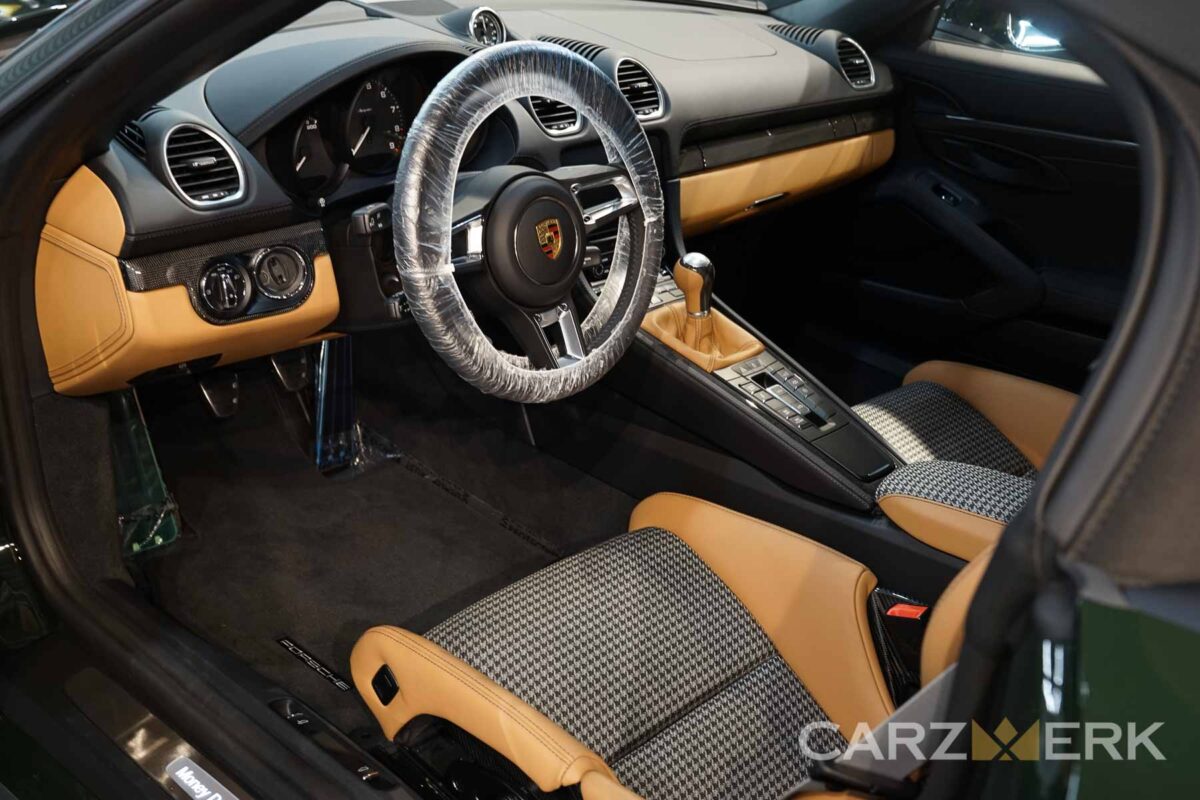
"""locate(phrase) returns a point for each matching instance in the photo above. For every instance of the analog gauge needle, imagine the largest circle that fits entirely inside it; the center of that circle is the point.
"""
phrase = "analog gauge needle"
(354, 150)
(300, 164)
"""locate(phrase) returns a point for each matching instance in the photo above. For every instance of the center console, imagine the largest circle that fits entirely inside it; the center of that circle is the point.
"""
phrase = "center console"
(702, 366)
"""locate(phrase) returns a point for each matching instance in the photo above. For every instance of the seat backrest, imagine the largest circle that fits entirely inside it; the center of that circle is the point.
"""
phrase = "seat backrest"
(944, 636)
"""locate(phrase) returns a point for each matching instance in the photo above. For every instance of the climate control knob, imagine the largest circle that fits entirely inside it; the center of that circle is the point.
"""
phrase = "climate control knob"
(225, 290)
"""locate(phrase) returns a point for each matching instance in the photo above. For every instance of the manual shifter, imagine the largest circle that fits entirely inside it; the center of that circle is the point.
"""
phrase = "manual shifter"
(694, 275)
(693, 328)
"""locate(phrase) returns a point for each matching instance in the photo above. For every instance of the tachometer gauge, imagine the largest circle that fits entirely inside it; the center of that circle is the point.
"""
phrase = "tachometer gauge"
(376, 124)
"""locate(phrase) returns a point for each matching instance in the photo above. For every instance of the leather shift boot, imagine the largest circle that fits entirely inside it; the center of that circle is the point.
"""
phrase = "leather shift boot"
(711, 342)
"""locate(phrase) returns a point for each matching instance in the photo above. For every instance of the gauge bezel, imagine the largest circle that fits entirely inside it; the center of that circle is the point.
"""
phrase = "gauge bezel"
(281, 149)
(478, 12)
(409, 91)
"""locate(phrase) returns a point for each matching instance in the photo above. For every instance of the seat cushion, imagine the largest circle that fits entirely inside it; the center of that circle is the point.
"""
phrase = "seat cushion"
(638, 650)
(683, 658)
(925, 421)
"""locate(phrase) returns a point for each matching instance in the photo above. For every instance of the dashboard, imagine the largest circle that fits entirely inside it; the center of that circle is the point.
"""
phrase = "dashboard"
(235, 193)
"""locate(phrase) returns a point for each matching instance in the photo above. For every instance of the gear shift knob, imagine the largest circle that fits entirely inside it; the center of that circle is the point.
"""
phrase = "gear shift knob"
(694, 275)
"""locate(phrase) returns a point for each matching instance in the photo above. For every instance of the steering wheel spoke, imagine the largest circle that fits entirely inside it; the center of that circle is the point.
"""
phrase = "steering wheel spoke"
(467, 245)
(604, 192)
(551, 338)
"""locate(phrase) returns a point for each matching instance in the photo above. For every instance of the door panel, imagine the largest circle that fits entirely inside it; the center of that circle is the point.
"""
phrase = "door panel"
(1002, 233)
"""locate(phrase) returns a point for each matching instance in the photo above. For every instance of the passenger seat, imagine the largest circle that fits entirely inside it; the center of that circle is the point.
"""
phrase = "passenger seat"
(973, 440)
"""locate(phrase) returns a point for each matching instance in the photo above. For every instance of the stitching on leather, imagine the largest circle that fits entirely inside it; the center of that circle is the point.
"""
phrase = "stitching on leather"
(758, 521)
(452, 669)
(864, 634)
(946, 506)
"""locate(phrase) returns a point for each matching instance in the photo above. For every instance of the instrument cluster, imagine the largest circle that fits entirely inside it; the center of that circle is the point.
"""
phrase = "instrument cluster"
(358, 129)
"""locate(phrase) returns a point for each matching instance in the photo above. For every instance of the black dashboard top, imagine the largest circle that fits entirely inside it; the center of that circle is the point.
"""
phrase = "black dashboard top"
(289, 103)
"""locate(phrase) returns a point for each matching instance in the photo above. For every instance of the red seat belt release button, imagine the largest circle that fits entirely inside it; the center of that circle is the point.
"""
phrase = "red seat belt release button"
(907, 611)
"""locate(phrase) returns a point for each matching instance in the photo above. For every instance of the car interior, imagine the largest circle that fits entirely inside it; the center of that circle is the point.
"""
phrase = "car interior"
(632, 425)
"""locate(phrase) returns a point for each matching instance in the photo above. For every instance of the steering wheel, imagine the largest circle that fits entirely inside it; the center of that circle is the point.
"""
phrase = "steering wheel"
(516, 238)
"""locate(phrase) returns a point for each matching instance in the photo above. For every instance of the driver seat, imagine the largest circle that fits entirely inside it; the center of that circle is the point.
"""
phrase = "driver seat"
(680, 660)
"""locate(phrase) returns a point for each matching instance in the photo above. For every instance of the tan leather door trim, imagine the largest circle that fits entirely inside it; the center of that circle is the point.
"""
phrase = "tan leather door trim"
(1030, 414)
(810, 600)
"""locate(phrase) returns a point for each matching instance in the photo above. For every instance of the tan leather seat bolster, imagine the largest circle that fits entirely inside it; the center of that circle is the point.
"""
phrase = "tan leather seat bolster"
(809, 599)
(1030, 414)
(434, 682)
(944, 636)
(952, 530)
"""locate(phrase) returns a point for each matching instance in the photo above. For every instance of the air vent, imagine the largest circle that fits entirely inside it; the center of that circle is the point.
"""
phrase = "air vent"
(557, 119)
(800, 34)
(202, 168)
(639, 88)
(133, 139)
(854, 63)
(585, 49)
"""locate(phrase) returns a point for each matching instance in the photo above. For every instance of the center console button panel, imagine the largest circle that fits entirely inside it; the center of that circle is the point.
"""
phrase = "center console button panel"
(772, 388)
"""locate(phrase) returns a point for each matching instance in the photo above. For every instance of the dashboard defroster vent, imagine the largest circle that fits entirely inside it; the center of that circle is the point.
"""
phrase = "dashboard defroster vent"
(800, 34)
(557, 119)
(585, 49)
(202, 168)
(133, 139)
(854, 63)
(639, 88)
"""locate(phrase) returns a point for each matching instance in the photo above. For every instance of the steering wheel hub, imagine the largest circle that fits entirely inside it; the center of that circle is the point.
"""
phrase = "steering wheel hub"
(535, 239)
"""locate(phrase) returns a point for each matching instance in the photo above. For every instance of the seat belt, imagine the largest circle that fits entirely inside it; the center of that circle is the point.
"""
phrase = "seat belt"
(869, 770)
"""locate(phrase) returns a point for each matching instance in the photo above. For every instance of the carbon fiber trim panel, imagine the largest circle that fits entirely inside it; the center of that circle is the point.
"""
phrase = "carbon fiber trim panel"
(186, 266)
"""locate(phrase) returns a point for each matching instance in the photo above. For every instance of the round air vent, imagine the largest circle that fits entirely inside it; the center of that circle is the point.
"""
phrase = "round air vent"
(855, 64)
(556, 119)
(201, 167)
(639, 88)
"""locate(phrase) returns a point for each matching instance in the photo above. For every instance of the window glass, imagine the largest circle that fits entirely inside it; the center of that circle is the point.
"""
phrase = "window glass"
(980, 22)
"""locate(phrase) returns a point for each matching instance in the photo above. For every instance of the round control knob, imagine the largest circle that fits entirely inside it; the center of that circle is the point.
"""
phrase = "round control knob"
(225, 290)
(280, 272)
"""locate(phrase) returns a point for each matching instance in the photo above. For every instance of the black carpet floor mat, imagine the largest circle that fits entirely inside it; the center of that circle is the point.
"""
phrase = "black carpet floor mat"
(273, 549)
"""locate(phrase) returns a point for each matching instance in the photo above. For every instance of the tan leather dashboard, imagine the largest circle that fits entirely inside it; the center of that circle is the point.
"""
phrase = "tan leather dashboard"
(97, 335)
(719, 196)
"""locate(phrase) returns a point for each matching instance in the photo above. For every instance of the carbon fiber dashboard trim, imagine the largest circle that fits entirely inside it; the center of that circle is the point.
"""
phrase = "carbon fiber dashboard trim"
(184, 267)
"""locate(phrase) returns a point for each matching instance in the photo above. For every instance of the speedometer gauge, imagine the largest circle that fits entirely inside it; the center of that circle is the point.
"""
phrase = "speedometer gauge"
(376, 124)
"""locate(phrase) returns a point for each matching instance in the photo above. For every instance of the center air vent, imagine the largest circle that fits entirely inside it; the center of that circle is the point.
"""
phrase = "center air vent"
(639, 88)
(585, 49)
(202, 168)
(854, 63)
(557, 119)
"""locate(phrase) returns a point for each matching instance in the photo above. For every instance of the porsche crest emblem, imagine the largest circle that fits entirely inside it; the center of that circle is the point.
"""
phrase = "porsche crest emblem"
(549, 236)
